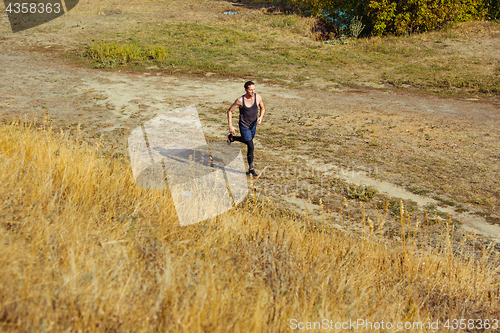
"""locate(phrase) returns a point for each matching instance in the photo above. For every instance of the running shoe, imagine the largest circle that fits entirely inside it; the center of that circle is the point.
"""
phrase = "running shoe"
(252, 173)
(229, 138)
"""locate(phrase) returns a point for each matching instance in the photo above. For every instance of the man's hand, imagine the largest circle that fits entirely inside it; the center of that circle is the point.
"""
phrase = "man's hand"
(232, 130)
(259, 120)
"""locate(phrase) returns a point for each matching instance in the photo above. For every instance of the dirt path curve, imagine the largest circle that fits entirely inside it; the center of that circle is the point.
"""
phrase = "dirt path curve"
(471, 222)
(114, 103)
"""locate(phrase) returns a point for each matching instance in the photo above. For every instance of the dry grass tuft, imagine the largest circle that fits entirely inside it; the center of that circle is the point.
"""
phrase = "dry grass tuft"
(83, 248)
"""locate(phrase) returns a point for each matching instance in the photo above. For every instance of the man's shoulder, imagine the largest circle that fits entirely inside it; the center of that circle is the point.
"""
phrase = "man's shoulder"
(239, 101)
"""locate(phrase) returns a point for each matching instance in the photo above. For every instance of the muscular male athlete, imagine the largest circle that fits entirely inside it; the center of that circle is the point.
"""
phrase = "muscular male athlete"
(249, 105)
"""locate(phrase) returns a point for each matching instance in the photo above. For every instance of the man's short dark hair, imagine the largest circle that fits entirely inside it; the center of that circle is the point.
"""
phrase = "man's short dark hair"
(248, 84)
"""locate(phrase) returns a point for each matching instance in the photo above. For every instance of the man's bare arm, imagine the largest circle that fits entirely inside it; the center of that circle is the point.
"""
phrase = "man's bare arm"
(233, 107)
(262, 111)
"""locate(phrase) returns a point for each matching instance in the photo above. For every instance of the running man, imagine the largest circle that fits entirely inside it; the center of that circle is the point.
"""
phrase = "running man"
(249, 105)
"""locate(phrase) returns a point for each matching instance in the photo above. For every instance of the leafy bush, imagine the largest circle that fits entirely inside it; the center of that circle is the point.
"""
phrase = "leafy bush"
(493, 7)
(394, 16)
(339, 14)
(409, 16)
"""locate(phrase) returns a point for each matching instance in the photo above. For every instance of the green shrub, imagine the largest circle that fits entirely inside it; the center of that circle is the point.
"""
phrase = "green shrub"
(493, 8)
(410, 16)
(394, 16)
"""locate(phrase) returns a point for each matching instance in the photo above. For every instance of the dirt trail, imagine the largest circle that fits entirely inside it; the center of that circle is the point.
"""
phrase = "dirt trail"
(470, 221)
(114, 103)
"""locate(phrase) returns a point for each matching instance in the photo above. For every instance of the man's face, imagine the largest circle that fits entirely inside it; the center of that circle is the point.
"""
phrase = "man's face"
(251, 90)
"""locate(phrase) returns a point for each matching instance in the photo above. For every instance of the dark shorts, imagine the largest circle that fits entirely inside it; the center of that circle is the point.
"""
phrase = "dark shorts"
(248, 133)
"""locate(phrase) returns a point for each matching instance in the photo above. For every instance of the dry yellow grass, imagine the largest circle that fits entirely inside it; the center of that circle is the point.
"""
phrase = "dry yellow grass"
(85, 250)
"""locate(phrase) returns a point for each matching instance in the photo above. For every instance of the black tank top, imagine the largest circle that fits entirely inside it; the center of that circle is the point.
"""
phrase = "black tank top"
(248, 115)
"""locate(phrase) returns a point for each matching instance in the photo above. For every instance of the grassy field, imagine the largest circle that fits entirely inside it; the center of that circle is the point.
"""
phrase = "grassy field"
(261, 43)
(265, 44)
(82, 250)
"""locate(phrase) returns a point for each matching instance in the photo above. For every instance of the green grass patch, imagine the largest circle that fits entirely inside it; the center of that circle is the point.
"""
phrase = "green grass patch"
(419, 191)
(179, 47)
(443, 201)
(279, 48)
(488, 217)
(109, 55)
